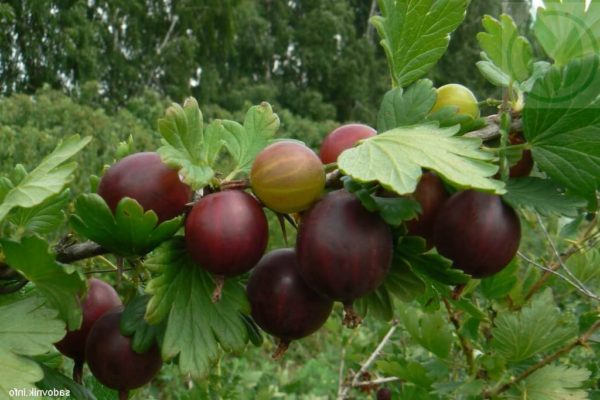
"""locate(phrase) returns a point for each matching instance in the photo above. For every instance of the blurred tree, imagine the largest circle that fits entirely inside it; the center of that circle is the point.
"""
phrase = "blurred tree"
(319, 59)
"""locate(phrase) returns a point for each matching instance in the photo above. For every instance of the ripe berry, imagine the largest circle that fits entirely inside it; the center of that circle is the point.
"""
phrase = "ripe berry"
(226, 233)
(384, 394)
(100, 298)
(431, 195)
(343, 138)
(287, 177)
(282, 303)
(344, 251)
(524, 166)
(112, 360)
(145, 178)
(457, 96)
(477, 231)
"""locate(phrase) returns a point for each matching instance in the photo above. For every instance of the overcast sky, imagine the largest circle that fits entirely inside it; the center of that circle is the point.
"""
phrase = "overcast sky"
(537, 3)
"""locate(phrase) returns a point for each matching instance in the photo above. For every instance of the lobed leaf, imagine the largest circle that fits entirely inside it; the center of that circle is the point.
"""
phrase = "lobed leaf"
(406, 107)
(415, 34)
(27, 328)
(561, 121)
(195, 326)
(43, 218)
(537, 328)
(505, 49)
(544, 196)
(47, 179)
(187, 145)
(396, 158)
(567, 29)
(34, 260)
(430, 330)
(244, 142)
(129, 232)
(556, 382)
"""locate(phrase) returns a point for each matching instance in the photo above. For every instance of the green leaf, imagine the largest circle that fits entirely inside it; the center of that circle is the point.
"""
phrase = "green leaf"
(429, 330)
(544, 196)
(537, 328)
(254, 332)
(43, 218)
(499, 285)
(47, 179)
(561, 121)
(540, 69)
(181, 294)
(33, 259)
(396, 158)
(129, 232)
(379, 304)
(567, 31)
(408, 371)
(556, 382)
(415, 34)
(492, 72)
(133, 325)
(5, 186)
(186, 145)
(403, 108)
(429, 265)
(245, 142)
(393, 210)
(584, 266)
(55, 381)
(505, 48)
(27, 328)
(402, 282)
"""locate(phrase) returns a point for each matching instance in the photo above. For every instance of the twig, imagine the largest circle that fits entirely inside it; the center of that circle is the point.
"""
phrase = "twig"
(370, 27)
(464, 343)
(580, 341)
(341, 373)
(575, 248)
(492, 130)
(560, 260)
(333, 179)
(378, 381)
(80, 251)
(168, 35)
(369, 361)
(104, 271)
(237, 184)
(581, 289)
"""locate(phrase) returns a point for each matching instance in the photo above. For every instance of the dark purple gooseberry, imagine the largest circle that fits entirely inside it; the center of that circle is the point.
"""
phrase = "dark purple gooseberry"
(100, 298)
(384, 394)
(112, 360)
(431, 195)
(282, 303)
(344, 251)
(146, 179)
(226, 233)
(478, 232)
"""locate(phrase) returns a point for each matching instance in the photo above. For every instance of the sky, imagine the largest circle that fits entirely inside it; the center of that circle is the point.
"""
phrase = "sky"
(537, 3)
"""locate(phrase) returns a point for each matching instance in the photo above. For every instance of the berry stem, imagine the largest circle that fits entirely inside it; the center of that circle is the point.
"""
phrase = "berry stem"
(239, 184)
(282, 347)
(78, 371)
(123, 394)
(351, 318)
(219, 283)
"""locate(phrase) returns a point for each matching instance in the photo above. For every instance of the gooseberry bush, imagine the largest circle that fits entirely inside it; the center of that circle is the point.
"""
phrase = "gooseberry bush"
(472, 240)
